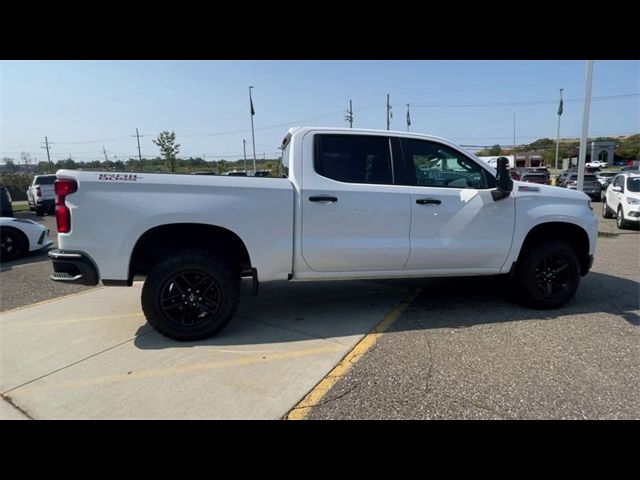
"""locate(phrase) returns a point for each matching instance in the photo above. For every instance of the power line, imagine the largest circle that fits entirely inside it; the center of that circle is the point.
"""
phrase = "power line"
(532, 102)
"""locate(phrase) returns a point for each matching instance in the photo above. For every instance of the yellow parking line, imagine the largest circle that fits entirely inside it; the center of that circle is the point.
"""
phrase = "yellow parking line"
(302, 409)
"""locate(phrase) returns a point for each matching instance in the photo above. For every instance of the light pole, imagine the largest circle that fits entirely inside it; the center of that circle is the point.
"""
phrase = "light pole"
(585, 125)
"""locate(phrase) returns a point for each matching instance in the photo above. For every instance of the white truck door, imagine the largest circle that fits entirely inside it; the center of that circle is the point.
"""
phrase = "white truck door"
(353, 216)
(456, 224)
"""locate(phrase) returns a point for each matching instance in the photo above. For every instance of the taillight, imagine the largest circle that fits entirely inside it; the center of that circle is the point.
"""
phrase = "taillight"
(63, 188)
(38, 191)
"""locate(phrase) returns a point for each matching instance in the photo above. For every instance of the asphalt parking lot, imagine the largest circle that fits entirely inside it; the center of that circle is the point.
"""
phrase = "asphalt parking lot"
(26, 280)
(462, 350)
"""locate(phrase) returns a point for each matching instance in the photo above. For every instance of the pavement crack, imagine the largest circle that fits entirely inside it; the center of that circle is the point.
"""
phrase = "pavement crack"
(72, 364)
(10, 401)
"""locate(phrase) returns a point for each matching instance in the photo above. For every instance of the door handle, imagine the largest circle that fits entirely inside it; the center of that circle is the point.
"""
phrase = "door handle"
(428, 201)
(323, 199)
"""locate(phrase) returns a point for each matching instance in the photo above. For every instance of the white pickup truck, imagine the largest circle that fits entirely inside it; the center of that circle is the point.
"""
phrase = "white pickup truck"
(41, 195)
(354, 204)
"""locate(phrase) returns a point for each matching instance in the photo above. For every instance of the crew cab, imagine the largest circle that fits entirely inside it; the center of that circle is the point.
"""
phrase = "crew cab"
(354, 204)
(41, 195)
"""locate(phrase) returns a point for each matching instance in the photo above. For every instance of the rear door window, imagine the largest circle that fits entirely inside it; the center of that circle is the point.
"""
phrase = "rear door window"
(354, 158)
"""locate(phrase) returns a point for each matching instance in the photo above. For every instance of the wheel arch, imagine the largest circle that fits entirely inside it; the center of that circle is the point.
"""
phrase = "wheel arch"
(574, 235)
(155, 243)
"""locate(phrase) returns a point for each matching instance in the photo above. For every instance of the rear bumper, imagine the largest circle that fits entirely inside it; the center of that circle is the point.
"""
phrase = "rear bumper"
(73, 267)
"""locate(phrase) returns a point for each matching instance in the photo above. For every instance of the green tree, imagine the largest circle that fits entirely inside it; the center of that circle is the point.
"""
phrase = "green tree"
(495, 150)
(10, 164)
(169, 149)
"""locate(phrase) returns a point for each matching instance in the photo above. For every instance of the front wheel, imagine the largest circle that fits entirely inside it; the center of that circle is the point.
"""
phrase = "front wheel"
(190, 295)
(548, 275)
(39, 210)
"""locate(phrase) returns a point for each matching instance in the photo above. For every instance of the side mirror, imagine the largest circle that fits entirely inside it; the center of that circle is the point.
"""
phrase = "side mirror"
(616, 188)
(503, 180)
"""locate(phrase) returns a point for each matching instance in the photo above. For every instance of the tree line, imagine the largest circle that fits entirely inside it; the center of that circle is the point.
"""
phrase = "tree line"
(626, 148)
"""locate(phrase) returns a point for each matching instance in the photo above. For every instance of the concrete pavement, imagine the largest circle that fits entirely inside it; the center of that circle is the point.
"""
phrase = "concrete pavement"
(92, 355)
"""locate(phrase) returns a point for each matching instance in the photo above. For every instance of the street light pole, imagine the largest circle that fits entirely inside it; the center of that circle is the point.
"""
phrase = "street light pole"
(585, 125)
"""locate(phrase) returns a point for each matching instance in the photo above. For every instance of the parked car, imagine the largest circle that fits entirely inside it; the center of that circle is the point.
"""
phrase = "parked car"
(534, 177)
(597, 164)
(356, 204)
(516, 173)
(605, 179)
(235, 174)
(591, 185)
(41, 195)
(6, 207)
(19, 236)
(622, 200)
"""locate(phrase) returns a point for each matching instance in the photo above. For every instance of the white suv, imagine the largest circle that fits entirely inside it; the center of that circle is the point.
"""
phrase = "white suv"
(622, 200)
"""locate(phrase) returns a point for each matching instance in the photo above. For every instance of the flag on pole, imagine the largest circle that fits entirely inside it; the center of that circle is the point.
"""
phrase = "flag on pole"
(253, 112)
(560, 107)
(408, 117)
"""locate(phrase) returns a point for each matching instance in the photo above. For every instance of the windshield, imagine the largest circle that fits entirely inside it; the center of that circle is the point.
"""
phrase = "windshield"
(633, 184)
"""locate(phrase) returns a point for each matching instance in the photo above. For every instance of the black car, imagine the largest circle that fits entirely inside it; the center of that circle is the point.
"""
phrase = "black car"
(6, 209)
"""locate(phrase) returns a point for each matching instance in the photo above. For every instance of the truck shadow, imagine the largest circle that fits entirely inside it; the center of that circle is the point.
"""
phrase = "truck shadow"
(335, 311)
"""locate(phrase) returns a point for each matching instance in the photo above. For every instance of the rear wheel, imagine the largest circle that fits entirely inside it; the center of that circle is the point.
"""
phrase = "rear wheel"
(12, 244)
(39, 210)
(191, 295)
(548, 275)
(606, 211)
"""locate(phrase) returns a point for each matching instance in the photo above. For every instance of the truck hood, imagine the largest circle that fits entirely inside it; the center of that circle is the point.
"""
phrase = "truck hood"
(526, 189)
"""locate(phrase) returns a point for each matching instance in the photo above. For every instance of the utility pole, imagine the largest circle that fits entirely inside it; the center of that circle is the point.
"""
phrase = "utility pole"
(558, 135)
(514, 139)
(104, 150)
(349, 116)
(139, 154)
(253, 136)
(244, 149)
(585, 125)
(389, 114)
(47, 147)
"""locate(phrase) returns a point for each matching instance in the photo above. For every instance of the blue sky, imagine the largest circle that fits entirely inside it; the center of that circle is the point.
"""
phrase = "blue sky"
(83, 106)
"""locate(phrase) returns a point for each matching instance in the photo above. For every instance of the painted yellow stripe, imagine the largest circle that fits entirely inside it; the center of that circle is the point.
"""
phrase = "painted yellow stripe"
(302, 409)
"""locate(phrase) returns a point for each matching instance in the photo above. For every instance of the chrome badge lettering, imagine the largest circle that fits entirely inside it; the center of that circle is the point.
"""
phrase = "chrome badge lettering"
(120, 177)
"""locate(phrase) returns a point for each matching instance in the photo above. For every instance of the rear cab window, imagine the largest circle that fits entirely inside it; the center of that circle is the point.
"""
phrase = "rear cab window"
(354, 158)
(44, 180)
